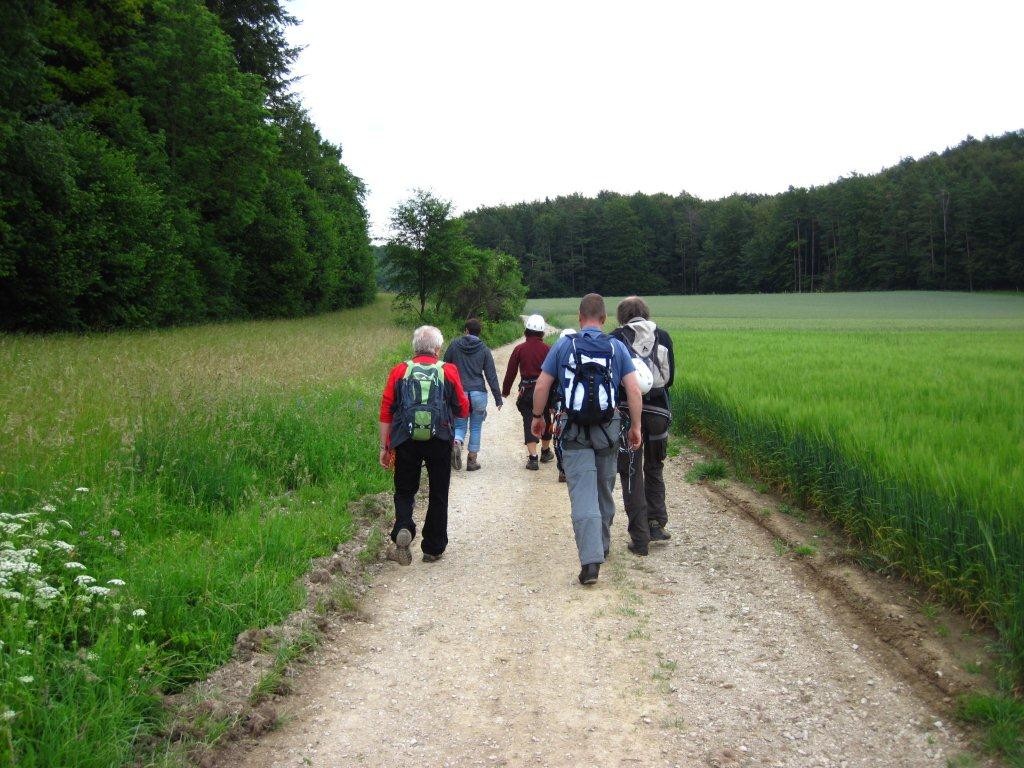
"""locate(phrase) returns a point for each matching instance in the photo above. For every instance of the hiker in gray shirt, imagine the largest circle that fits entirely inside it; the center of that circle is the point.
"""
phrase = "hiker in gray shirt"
(475, 363)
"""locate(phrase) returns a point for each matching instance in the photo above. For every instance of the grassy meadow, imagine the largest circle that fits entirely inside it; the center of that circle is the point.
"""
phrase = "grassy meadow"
(159, 493)
(899, 414)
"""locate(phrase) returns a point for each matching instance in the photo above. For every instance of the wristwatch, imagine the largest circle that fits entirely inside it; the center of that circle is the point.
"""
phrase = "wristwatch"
(538, 415)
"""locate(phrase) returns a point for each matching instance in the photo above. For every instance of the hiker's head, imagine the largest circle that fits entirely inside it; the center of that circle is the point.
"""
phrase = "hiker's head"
(592, 310)
(535, 326)
(631, 307)
(473, 326)
(427, 340)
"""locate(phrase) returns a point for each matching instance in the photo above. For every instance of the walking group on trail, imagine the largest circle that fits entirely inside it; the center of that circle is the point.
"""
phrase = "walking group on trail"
(597, 402)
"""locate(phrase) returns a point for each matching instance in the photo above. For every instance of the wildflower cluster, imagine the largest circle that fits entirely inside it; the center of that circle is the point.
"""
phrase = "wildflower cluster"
(49, 603)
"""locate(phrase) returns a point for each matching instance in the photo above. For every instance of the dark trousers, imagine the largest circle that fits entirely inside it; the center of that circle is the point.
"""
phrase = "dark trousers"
(410, 456)
(641, 474)
(525, 406)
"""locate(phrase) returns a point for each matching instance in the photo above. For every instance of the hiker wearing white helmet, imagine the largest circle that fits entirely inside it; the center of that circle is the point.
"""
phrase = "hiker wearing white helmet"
(525, 362)
(641, 471)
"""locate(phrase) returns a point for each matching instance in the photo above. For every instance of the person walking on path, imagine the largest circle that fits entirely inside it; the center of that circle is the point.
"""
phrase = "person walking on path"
(642, 471)
(588, 368)
(421, 398)
(525, 362)
(475, 363)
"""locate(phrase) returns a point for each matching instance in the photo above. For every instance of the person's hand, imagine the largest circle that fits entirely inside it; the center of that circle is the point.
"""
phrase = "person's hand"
(387, 458)
(634, 438)
(537, 426)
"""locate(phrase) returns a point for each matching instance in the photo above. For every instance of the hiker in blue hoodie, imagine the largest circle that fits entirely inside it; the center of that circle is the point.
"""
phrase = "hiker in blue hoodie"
(475, 363)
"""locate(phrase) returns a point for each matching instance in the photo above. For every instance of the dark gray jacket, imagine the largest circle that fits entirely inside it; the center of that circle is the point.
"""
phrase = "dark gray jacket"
(474, 361)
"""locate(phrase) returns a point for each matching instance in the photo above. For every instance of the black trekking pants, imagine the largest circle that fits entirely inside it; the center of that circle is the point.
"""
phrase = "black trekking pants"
(641, 475)
(410, 456)
(525, 405)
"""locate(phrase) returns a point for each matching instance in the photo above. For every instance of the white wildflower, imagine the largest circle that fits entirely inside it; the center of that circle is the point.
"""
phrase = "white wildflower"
(81, 489)
(11, 594)
(42, 528)
(102, 591)
(138, 613)
(115, 534)
(83, 579)
(90, 656)
(65, 523)
(47, 593)
(8, 714)
(83, 598)
(49, 508)
(26, 679)
(74, 566)
(116, 583)
(24, 652)
(63, 545)
(10, 528)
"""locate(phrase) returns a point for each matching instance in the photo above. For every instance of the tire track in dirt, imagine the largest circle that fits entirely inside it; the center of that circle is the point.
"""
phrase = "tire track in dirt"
(711, 651)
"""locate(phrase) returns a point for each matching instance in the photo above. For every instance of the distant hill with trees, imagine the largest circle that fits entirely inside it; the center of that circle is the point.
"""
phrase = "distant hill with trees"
(155, 169)
(947, 221)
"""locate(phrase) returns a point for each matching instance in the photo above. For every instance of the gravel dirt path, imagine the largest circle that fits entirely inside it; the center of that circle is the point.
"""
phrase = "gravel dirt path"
(713, 650)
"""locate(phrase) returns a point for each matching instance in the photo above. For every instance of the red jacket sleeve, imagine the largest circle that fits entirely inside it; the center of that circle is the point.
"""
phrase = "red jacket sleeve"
(387, 399)
(510, 372)
(451, 373)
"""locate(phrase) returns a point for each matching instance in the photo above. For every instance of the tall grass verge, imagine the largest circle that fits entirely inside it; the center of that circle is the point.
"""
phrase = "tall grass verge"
(159, 493)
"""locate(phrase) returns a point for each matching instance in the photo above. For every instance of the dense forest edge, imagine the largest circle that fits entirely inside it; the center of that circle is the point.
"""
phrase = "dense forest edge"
(950, 221)
(155, 169)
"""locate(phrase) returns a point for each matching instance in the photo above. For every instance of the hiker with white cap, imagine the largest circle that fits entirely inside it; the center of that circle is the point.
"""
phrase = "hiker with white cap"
(525, 362)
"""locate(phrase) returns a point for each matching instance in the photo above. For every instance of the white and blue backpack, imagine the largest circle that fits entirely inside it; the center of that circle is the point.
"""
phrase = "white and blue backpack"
(587, 386)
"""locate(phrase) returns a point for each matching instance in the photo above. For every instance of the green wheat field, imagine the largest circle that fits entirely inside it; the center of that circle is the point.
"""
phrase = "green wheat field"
(900, 415)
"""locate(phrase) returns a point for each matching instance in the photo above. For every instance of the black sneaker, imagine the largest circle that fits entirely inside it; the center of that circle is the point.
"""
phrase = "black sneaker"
(429, 558)
(546, 455)
(658, 534)
(531, 463)
(640, 550)
(588, 573)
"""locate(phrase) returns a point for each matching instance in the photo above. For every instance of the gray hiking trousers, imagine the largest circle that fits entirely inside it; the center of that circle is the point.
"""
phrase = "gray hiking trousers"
(589, 458)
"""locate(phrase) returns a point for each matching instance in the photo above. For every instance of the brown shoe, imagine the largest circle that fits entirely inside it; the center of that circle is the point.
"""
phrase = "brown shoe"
(471, 462)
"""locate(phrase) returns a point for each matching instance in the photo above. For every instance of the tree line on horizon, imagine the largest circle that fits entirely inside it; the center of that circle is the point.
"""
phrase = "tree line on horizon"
(950, 221)
(156, 169)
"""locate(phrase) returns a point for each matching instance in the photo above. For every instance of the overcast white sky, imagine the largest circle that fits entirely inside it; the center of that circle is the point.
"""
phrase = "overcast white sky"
(497, 102)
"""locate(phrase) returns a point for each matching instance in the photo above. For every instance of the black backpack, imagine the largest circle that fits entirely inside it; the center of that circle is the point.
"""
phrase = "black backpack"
(587, 377)
(421, 411)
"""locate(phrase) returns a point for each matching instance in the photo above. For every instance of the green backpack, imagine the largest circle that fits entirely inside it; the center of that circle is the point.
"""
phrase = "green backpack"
(422, 405)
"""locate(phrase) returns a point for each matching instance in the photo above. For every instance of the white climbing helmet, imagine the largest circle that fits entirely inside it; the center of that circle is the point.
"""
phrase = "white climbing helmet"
(644, 375)
(535, 323)
(567, 332)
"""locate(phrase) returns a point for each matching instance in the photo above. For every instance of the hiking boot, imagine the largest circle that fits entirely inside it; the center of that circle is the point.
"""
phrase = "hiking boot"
(588, 573)
(531, 463)
(659, 534)
(561, 476)
(456, 455)
(402, 541)
(471, 462)
(546, 455)
(429, 558)
(640, 550)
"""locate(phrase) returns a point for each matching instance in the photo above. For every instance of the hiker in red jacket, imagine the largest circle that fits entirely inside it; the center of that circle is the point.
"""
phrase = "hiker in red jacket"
(421, 399)
(525, 361)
